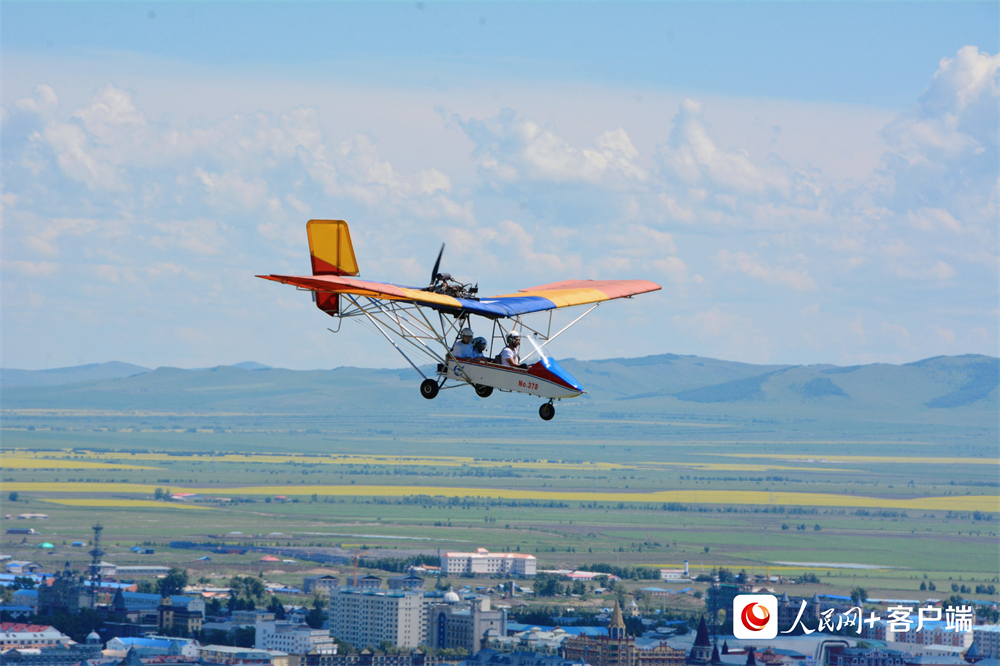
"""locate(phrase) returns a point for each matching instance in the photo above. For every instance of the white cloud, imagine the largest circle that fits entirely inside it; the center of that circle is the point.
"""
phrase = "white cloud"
(945, 334)
(693, 157)
(45, 240)
(43, 101)
(674, 268)
(230, 191)
(895, 329)
(150, 194)
(77, 159)
(512, 233)
(796, 278)
(510, 148)
(200, 236)
(734, 334)
(942, 271)
(31, 268)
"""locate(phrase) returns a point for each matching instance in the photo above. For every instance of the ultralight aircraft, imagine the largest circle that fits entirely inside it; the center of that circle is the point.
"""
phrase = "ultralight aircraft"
(423, 319)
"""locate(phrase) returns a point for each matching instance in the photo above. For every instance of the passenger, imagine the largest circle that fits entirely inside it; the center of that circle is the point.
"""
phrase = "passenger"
(478, 347)
(463, 345)
(509, 356)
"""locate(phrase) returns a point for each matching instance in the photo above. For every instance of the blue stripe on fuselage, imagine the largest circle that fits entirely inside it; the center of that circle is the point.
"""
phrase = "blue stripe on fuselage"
(559, 372)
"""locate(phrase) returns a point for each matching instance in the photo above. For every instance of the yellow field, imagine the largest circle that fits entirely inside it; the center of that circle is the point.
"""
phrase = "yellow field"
(736, 467)
(990, 503)
(50, 459)
(30, 462)
(126, 504)
(92, 460)
(921, 460)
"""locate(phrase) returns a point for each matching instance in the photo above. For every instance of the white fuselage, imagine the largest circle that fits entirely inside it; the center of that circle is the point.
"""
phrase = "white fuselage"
(539, 379)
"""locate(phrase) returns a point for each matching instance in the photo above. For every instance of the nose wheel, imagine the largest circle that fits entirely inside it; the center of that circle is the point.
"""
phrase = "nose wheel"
(484, 391)
(547, 411)
(429, 389)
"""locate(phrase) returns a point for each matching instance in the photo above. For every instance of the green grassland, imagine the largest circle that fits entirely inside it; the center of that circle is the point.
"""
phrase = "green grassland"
(871, 434)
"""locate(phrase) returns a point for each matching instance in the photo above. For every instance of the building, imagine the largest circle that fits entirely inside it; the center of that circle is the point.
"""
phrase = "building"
(63, 592)
(244, 617)
(484, 563)
(293, 638)
(136, 607)
(132, 572)
(534, 640)
(701, 650)
(619, 649)
(33, 516)
(322, 583)
(368, 617)
(720, 597)
(675, 574)
(369, 658)
(657, 592)
(463, 624)
(181, 615)
(26, 598)
(17, 612)
(493, 658)
(152, 646)
(368, 582)
(224, 654)
(931, 633)
(21, 567)
(20, 635)
(869, 657)
(987, 640)
(248, 617)
(53, 655)
(410, 581)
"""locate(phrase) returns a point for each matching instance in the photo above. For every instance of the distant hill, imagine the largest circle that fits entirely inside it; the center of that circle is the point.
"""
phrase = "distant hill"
(78, 373)
(938, 392)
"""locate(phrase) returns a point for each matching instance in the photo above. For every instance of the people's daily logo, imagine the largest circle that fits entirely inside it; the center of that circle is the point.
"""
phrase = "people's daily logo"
(755, 616)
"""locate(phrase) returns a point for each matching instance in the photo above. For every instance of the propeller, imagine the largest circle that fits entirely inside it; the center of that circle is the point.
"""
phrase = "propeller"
(437, 265)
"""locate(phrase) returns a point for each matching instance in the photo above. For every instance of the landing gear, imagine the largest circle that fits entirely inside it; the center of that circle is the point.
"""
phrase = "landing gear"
(484, 391)
(547, 411)
(429, 389)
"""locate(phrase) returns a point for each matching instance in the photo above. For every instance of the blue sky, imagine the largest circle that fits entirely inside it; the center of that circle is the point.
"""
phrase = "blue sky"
(810, 182)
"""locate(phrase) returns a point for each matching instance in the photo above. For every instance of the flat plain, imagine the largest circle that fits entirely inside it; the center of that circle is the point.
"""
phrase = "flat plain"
(876, 476)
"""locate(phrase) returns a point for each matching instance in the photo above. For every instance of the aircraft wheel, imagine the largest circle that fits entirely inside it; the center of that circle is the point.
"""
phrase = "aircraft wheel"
(547, 411)
(484, 391)
(429, 389)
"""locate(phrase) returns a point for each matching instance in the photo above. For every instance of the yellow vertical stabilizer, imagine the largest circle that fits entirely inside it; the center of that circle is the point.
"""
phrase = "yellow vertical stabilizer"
(331, 253)
(330, 248)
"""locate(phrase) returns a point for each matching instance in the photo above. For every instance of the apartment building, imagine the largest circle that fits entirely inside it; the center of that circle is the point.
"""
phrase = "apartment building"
(367, 617)
(987, 640)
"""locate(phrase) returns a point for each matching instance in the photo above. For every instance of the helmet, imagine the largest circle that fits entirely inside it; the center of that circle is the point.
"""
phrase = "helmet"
(513, 338)
(466, 332)
(479, 344)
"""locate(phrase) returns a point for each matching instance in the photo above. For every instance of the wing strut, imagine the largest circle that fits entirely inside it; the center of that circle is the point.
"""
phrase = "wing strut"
(391, 341)
(564, 328)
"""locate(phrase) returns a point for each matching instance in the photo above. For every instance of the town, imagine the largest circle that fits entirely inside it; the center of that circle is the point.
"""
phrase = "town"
(507, 612)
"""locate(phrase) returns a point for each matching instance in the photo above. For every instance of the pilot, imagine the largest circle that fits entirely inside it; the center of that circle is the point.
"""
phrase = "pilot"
(463, 346)
(509, 356)
(478, 347)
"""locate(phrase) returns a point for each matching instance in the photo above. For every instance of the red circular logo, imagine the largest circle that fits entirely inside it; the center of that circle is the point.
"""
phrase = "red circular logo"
(752, 621)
